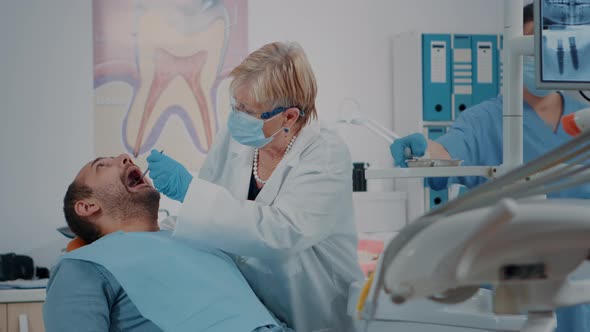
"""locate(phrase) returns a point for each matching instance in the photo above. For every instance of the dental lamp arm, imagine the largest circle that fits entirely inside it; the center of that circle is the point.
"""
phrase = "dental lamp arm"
(353, 115)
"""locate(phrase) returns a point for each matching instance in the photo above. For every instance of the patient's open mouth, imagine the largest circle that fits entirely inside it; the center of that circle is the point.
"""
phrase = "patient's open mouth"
(134, 178)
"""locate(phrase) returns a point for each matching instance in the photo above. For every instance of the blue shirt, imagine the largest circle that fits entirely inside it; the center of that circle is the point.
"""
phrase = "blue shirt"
(476, 138)
(84, 296)
(145, 281)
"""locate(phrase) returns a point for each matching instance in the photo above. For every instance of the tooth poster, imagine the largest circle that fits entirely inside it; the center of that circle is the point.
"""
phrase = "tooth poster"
(161, 74)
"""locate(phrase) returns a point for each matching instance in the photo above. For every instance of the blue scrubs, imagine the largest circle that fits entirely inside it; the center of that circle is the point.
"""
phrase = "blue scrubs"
(476, 138)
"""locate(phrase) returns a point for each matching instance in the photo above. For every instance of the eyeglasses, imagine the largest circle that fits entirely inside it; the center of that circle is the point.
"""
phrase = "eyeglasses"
(263, 116)
(241, 108)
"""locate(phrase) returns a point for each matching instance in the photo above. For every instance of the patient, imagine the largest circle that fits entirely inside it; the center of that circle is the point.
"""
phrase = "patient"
(132, 276)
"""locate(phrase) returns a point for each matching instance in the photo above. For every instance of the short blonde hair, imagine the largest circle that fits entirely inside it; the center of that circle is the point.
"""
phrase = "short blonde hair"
(279, 75)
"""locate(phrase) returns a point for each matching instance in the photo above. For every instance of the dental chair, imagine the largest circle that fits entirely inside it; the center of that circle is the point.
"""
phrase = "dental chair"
(424, 315)
(531, 251)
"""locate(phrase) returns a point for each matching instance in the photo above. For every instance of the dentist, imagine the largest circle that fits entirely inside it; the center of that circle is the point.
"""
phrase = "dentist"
(275, 192)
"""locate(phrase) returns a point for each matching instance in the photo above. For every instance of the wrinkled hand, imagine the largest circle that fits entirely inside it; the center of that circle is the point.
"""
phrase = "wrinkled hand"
(413, 145)
(169, 176)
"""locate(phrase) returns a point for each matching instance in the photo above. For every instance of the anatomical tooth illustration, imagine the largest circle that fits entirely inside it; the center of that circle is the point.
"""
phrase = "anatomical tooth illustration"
(159, 74)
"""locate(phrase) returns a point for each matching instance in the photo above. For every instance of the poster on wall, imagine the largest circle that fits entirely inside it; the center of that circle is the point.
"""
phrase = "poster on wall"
(161, 74)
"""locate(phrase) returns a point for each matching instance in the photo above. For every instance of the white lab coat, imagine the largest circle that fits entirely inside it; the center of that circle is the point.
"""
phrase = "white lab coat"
(296, 243)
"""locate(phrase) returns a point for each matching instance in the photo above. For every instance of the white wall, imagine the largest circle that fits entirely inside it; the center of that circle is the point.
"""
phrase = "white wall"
(46, 87)
(46, 118)
(348, 43)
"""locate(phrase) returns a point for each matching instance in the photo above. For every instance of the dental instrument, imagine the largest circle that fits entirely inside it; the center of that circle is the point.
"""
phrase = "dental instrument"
(142, 176)
(145, 173)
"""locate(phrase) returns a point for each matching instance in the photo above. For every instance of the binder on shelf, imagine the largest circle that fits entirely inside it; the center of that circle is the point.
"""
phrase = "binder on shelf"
(436, 77)
(485, 67)
(436, 197)
(458, 71)
(500, 63)
(462, 74)
(435, 132)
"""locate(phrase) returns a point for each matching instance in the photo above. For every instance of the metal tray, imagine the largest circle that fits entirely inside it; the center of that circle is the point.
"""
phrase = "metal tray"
(433, 162)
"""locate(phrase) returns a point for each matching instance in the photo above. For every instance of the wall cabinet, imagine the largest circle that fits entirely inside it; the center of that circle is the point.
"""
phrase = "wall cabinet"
(21, 310)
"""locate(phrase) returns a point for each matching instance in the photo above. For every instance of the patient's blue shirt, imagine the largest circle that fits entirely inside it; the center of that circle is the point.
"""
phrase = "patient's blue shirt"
(148, 282)
(84, 296)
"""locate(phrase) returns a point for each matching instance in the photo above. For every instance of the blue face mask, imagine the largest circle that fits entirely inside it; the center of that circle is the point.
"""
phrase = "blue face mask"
(528, 77)
(247, 130)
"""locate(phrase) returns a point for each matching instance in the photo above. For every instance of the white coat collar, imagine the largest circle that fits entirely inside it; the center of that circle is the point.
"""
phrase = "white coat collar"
(307, 135)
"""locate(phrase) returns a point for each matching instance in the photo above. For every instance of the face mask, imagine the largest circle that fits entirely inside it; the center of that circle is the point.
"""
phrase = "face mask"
(247, 130)
(528, 77)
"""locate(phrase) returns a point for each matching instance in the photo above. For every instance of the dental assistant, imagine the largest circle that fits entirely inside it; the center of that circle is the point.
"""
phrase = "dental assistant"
(476, 135)
(275, 192)
(476, 138)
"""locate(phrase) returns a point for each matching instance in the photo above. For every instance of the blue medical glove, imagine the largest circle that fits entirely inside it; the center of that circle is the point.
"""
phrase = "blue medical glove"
(415, 143)
(170, 177)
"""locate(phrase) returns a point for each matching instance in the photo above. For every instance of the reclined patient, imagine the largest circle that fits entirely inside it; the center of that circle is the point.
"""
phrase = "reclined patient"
(134, 277)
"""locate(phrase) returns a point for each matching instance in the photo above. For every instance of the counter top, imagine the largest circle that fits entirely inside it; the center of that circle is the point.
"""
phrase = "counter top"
(22, 295)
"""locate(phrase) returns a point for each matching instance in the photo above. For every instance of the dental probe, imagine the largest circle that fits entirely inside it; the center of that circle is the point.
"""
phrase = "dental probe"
(145, 172)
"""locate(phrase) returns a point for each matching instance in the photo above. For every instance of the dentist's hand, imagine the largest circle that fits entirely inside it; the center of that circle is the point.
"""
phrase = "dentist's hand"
(170, 177)
(416, 144)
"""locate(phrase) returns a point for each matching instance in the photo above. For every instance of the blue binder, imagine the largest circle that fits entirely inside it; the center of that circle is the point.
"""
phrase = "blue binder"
(436, 197)
(436, 77)
(436, 132)
(462, 73)
(500, 64)
(484, 50)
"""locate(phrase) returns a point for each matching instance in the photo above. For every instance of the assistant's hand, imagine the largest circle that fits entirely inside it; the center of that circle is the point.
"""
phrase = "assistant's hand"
(413, 145)
(170, 177)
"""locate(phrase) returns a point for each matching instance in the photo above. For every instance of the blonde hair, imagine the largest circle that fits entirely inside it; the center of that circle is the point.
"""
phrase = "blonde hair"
(279, 75)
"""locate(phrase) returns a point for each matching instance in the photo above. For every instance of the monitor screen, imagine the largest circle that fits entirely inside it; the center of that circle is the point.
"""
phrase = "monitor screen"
(562, 44)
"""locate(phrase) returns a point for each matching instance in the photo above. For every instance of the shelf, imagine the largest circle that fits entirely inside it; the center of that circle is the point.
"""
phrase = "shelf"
(427, 172)
(22, 295)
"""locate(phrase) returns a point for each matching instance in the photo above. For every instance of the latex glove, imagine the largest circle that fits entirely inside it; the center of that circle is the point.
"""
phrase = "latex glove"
(413, 145)
(170, 177)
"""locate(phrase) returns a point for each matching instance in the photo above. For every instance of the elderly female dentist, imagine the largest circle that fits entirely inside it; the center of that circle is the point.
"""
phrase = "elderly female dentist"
(275, 191)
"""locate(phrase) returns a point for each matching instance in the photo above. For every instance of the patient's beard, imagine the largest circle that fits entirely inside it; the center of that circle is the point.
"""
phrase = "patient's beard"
(125, 206)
